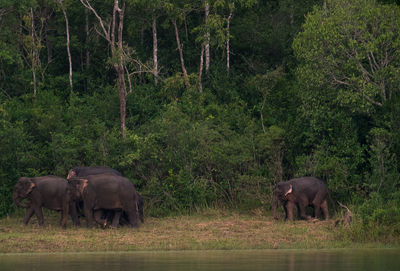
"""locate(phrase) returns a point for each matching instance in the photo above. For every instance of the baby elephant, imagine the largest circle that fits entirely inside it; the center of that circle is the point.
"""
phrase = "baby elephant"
(302, 192)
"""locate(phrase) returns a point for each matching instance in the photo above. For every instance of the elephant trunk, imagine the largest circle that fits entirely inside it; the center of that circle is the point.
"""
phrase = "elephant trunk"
(274, 204)
(18, 201)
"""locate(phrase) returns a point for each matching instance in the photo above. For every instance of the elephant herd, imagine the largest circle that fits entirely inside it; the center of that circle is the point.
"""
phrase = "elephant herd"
(103, 195)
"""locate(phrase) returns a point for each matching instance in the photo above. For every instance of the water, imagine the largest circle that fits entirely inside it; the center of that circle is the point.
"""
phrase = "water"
(338, 260)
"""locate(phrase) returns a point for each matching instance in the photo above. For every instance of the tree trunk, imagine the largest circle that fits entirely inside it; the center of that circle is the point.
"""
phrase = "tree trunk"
(178, 42)
(228, 52)
(155, 49)
(201, 69)
(292, 13)
(49, 47)
(207, 45)
(116, 53)
(87, 38)
(33, 53)
(122, 97)
(121, 68)
(68, 43)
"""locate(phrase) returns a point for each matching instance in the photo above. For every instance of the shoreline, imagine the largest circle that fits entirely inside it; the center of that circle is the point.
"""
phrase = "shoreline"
(148, 252)
(208, 231)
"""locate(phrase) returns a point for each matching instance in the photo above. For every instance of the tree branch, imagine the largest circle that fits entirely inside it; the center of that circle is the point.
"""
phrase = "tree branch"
(86, 4)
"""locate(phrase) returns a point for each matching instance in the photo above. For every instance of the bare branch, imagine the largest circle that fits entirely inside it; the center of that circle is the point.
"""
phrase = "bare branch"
(374, 61)
(372, 101)
(340, 82)
(344, 206)
(129, 80)
(86, 4)
(4, 11)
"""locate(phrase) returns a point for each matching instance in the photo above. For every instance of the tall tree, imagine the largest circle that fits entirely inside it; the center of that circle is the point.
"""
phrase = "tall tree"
(34, 54)
(155, 48)
(68, 42)
(180, 50)
(352, 46)
(207, 35)
(177, 12)
(113, 35)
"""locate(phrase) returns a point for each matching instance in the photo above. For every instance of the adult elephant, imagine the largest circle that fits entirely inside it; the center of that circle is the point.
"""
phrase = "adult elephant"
(47, 191)
(96, 170)
(302, 192)
(105, 192)
(93, 170)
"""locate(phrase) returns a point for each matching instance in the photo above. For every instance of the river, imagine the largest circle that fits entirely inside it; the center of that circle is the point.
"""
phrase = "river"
(299, 260)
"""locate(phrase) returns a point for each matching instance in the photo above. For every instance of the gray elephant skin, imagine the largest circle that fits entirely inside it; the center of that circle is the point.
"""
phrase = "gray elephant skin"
(301, 192)
(46, 191)
(92, 170)
(105, 192)
(96, 170)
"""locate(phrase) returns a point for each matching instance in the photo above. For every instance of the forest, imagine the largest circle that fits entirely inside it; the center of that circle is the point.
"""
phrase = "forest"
(206, 104)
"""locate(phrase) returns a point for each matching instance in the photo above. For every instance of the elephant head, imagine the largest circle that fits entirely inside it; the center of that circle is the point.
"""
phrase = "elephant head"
(76, 187)
(21, 191)
(281, 192)
(71, 174)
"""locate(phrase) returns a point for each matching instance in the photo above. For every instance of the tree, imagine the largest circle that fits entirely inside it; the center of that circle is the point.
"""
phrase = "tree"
(117, 51)
(353, 48)
(178, 13)
(64, 11)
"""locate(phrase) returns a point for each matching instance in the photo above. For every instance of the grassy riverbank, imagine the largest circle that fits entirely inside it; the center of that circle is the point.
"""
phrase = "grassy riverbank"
(207, 230)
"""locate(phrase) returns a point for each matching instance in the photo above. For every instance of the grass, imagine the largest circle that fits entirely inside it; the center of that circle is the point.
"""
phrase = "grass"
(206, 230)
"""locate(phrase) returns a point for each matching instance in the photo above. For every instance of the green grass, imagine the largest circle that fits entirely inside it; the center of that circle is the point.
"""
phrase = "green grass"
(206, 230)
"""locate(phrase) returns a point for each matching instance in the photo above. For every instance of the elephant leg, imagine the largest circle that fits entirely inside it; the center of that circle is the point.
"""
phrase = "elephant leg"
(298, 210)
(109, 215)
(124, 219)
(98, 214)
(39, 215)
(79, 209)
(286, 211)
(64, 215)
(115, 221)
(74, 214)
(317, 209)
(284, 205)
(290, 206)
(28, 215)
(303, 206)
(88, 215)
(324, 207)
(133, 217)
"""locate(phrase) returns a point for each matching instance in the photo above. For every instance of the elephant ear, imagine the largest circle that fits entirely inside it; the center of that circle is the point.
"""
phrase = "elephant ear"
(83, 184)
(27, 186)
(71, 174)
(32, 185)
(289, 190)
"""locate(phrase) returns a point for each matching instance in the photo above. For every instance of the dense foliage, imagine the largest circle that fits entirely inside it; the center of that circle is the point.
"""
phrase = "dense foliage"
(248, 94)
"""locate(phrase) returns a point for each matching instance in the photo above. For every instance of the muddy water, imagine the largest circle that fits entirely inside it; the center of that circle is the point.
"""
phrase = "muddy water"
(354, 260)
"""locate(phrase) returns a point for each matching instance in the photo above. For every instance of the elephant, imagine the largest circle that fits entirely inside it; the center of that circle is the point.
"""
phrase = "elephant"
(302, 192)
(93, 170)
(96, 170)
(105, 192)
(47, 191)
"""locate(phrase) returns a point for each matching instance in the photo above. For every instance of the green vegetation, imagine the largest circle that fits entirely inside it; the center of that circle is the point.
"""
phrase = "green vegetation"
(309, 88)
